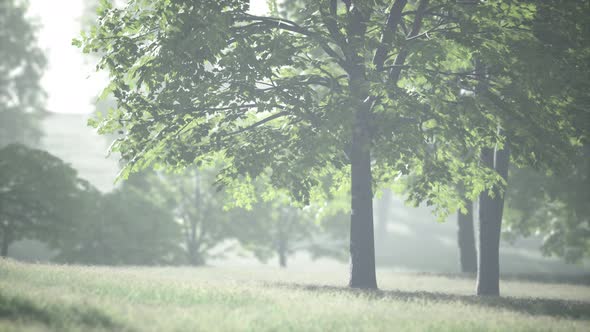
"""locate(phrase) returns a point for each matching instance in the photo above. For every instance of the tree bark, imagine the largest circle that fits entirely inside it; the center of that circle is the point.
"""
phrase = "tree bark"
(362, 242)
(6, 240)
(466, 240)
(283, 232)
(490, 226)
(282, 257)
(193, 243)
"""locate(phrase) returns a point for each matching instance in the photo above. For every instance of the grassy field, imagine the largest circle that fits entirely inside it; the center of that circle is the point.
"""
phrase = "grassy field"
(76, 298)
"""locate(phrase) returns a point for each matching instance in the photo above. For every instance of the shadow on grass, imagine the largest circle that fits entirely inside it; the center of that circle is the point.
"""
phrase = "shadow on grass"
(16, 308)
(532, 306)
(581, 279)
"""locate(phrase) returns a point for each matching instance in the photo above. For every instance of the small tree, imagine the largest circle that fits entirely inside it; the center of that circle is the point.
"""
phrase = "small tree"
(197, 207)
(276, 226)
(122, 227)
(21, 65)
(36, 192)
(554, 205)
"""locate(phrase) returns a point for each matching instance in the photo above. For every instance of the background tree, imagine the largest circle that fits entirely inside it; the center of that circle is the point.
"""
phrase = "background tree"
(554, 206)
(36, 192)
(276, 226)
(198, 208)
(122, 227)
(21, 66)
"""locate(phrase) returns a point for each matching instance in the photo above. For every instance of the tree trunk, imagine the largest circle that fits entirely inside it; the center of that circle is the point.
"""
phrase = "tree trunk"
(362, 243)
(282, 257)
(282, 241)
(466, 240)
(6, 239)
(194, 256)
(490, 226)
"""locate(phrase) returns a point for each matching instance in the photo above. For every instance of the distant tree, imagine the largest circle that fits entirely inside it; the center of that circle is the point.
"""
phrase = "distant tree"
(276, 226)
(198, 207)
(122, 227)
(21, 65)
(361, 91)
(554, 206)
(275, 230)
(36, 192)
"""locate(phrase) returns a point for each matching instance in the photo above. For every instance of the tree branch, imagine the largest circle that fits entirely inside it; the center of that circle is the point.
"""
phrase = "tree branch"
(395, 72)
(393, 19)
(261, 122)
(291, 26)
(332, 24)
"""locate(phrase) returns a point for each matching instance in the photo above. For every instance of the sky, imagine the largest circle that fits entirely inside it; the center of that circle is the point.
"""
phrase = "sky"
(71, 81)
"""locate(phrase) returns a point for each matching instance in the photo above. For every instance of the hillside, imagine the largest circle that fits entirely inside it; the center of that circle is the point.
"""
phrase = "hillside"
(76, 298)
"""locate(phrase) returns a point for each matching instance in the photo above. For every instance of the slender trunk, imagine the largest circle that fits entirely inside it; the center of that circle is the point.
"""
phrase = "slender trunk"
(466, 239)
(362, 243)
(490, 226)
(194, 256)
(282, 241)
(6, 240)
(282, 256)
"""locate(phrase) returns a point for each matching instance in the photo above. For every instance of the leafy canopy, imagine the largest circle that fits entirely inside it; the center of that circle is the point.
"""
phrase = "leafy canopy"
(195, 80)
(21, 65)
(37, 190)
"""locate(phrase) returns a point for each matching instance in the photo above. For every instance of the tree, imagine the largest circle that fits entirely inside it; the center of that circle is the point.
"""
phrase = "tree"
(197, 207)
(466, 240)
(491, 207)
(275, 229)
(21, 65)
(122, 227)
(553, 205)
(542, 66)
(361, 91)
(276, 226)
(36, 191)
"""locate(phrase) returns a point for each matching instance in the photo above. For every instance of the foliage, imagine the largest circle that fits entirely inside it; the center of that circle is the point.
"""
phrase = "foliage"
(196, 206)
(552, 203)
(122, 227)
(37, 190)
(277, 226)
(554, 206)
(21, 66)
(192, 81)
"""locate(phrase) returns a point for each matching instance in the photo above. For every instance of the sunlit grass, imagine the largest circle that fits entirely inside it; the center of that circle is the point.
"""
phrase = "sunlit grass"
(61, 298)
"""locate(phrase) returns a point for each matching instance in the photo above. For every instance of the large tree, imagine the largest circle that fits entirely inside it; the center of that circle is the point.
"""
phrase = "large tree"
(361, 91)
(21, 65)
(545, 88)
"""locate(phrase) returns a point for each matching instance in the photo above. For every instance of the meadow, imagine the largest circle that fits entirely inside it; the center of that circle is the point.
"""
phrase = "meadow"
(40, 297)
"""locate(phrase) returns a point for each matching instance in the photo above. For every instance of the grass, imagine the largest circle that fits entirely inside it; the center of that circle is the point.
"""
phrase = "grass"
(76, 298)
